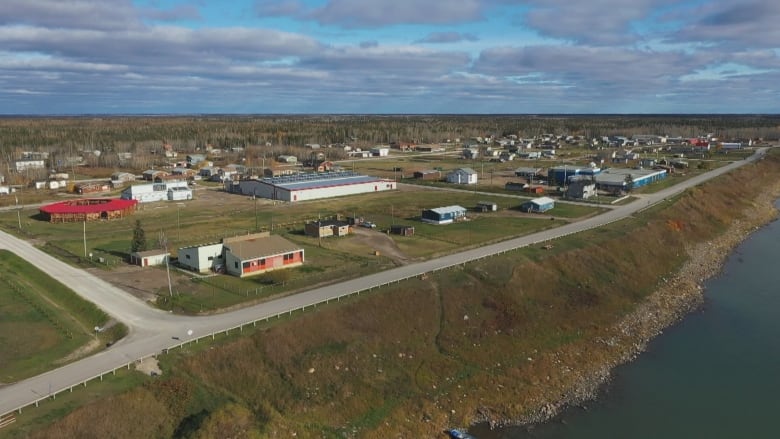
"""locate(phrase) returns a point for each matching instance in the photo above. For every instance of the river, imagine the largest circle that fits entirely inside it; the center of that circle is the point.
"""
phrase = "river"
(715, 375)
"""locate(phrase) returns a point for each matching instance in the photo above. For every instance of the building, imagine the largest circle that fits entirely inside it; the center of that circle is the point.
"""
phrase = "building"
(325, 228)
(311, 186)
(151, 174)
(730, 146)
(380, 151)
(194, 159)
(443, 215)
(581, 188)
(122, 177)
(462, 176)
(402, 230)
(428, 174)
(166, 191)
(87, 209)
(202, 258)
(258, 253)
(538, 205)
(149, 258)
(287, 159)
(23, 165)
(487, 206)
(620, 180)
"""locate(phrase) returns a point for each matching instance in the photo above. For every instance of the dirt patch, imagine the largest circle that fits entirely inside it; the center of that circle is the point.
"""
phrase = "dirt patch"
(92, 346)
(149, 366)
(144, 283)
(380, 242)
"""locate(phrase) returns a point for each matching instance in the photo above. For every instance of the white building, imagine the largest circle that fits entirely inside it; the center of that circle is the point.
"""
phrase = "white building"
(149, 258)
(202, 258)
(312, 186)
(23, 165)
(380, 151)
(167, 191)
(462, 176)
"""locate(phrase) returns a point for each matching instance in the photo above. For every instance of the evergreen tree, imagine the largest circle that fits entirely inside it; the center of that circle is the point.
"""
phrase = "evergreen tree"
(139, 238)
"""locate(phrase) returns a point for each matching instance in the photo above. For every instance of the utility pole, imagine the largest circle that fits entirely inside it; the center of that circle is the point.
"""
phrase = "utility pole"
(85, 237)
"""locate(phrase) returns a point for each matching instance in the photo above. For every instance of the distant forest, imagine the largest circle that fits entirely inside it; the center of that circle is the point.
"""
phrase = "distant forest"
(144, 135)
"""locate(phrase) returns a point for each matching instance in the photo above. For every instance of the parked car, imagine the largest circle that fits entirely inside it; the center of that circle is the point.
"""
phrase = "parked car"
(368, 225)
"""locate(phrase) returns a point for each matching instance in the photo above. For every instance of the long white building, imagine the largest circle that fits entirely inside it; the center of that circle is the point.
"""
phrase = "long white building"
(168, 191)
(302, 187)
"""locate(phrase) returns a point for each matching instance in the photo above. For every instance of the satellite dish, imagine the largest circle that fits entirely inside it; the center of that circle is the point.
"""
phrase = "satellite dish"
(189, 332)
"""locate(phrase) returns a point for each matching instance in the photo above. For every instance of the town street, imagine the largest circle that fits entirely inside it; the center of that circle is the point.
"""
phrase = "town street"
(152, 331)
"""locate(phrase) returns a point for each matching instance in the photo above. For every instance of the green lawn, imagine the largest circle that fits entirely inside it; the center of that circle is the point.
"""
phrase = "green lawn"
(41, 321)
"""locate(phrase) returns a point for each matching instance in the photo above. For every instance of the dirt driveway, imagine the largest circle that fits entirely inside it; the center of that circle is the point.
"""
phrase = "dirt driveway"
(379, 241)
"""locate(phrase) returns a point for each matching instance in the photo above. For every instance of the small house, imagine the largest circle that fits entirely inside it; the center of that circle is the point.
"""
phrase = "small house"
(538, 205)
(581, 188)
(380, 151)
(462, 176)
(443, 215)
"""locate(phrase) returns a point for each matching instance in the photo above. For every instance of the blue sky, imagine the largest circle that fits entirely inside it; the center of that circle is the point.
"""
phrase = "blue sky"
(389, 56)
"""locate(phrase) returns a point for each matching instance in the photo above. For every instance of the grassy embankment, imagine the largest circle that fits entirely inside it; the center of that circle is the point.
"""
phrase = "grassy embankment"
(328, 260)
(500, 339)
(43, 322)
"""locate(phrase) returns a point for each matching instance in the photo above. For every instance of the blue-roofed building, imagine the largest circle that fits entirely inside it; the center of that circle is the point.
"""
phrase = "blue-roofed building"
(443, 215)
(539, 205)
(312, 186)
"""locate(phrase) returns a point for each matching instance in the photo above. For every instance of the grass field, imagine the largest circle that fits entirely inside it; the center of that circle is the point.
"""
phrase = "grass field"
(42, 321)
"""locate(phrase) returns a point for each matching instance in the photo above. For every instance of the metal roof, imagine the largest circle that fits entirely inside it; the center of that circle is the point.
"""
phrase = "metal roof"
(448, 209)
(319, 180)
(618, 175)
(542, 200)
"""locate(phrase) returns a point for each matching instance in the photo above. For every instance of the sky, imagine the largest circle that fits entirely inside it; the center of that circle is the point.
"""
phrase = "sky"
(389, 56)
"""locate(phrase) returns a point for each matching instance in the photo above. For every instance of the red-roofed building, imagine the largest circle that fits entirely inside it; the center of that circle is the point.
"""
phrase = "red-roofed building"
(88, 209)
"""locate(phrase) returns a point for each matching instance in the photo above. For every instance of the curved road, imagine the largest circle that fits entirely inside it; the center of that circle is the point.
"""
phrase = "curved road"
(152, 330)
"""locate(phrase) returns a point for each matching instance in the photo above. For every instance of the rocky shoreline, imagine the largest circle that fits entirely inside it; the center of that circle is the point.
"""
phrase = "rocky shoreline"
(677, 296)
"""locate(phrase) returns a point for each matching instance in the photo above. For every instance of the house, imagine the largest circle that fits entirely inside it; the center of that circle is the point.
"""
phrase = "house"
(325, 228)
(149, 258)
(428, 174)
(287, 159)
(731, 146)
(402, 230)
(91, 187)
(470, 153)
(581, 188)
(487, 206)
(151, 174)
(202, 258)
(462, 176)
(258, 253)
(380, 151)
(122, 177)
(443, 215)
(539, 205)
(194, 159)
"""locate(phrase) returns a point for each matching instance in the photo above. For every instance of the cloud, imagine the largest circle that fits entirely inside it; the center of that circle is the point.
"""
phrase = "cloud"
(177, 13)
(447, 37)
(593, 22)
(279, 8)
(372, 13)
(732, 24)
(74, 14)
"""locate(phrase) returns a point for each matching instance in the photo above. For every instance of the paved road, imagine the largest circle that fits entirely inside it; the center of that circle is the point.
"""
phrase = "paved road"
(152, 330)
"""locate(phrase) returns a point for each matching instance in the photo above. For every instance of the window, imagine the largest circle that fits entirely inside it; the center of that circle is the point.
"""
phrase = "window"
(236, 264)
(262, 261)
(211, 258)
(187, 256)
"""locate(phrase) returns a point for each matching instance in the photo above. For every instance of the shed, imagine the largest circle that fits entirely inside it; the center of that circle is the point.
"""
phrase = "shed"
(324, 228)
(149, 258)
(402, 230)
(427, 174)
(539, 205)
(487, 206)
